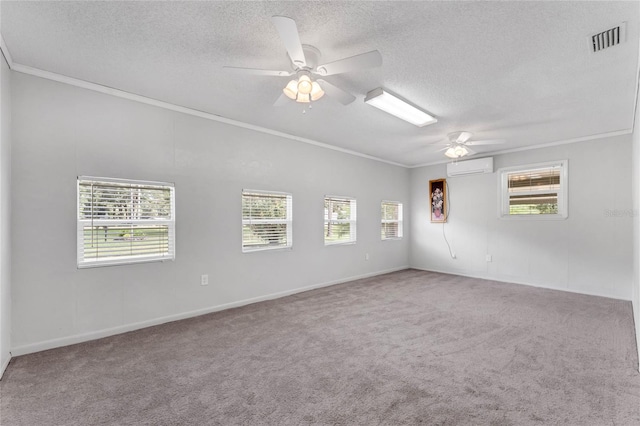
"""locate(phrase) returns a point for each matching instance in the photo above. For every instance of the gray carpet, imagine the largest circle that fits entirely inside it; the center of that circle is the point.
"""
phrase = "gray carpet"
(410, 347)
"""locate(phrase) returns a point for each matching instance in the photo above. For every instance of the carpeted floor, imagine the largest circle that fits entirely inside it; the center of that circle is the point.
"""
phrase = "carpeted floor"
(410, 347)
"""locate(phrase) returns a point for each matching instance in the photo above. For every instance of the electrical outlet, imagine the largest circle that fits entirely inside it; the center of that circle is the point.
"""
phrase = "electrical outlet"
(204, 279)
(366, 256)
(488, 258)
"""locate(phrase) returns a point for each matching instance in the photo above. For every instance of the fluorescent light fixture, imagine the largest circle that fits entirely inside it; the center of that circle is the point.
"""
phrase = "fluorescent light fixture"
(396, 106)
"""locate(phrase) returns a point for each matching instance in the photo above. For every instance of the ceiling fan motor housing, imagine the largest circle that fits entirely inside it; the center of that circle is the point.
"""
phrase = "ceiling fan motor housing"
(311, 54)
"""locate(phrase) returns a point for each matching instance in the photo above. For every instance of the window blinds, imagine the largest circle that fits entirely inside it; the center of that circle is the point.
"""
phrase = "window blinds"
(391, 225)
(534, 191)
(266, 220)
(124, 221)
(339, 220)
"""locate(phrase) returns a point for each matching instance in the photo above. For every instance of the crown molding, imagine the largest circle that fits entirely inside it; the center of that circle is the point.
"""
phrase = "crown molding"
(24, 69)
(5, 52)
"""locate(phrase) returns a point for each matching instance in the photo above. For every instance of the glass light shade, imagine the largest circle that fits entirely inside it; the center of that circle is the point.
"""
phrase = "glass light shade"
(291, 90)
(316, 91)
(304, 84)
(304, 98)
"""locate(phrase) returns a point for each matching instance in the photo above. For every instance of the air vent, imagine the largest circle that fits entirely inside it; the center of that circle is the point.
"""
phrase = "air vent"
(608, 38)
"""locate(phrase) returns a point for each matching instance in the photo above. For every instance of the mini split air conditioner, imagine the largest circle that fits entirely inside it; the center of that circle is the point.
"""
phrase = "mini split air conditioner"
(470, 167)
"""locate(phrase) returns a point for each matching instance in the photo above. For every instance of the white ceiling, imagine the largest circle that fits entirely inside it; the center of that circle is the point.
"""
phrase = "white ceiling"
(519, 71)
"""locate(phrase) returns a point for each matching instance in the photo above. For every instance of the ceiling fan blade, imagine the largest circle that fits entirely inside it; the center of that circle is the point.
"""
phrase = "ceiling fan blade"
(254, 71)
(487, 142)
(459, 137)
(444, 149)
(463, 137)
(353, 63)
(337, 93)
(471, 152)
(289, 34)
(282, 100)
(441, 142)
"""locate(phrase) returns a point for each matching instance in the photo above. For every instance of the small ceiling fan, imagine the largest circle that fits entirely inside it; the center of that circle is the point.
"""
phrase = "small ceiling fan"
(305, 66)
(459, 143)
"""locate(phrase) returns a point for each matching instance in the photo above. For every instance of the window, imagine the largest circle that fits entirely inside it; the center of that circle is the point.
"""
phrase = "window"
(339, 220)
(266, 220)
(391, 220)
(124, 221)
(537, 191)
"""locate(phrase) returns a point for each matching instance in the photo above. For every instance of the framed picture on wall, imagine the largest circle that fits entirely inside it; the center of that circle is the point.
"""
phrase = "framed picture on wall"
(438, 191)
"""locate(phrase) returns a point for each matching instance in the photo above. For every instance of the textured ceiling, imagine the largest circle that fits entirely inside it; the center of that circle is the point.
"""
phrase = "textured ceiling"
(518, 71)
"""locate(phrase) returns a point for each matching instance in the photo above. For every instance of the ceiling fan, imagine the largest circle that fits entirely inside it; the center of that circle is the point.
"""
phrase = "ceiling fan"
(459, 143)
(305, 87)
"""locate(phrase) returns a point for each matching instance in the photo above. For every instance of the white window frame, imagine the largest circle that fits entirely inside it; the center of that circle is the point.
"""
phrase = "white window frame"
(288, 221)
(563, 191)
(124, 260)
(400, 220)
(352, 221)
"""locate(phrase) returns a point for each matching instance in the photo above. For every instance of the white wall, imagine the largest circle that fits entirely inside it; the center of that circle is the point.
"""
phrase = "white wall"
(5, 214)
(61, 131)
(636, 222)
(589, 252)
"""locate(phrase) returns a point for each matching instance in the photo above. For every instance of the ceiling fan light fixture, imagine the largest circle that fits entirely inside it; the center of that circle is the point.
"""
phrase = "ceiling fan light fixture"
(303, 89)
(456, 151)
(393, 105)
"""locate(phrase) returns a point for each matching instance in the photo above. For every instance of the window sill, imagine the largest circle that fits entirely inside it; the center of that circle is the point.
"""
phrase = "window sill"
(340, 243)
(523, 217)
(258, 249)
(101, 264)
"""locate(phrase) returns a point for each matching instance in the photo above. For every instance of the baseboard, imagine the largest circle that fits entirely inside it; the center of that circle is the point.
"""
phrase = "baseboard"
(519, 282)
(4, 366)
(85, 337)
